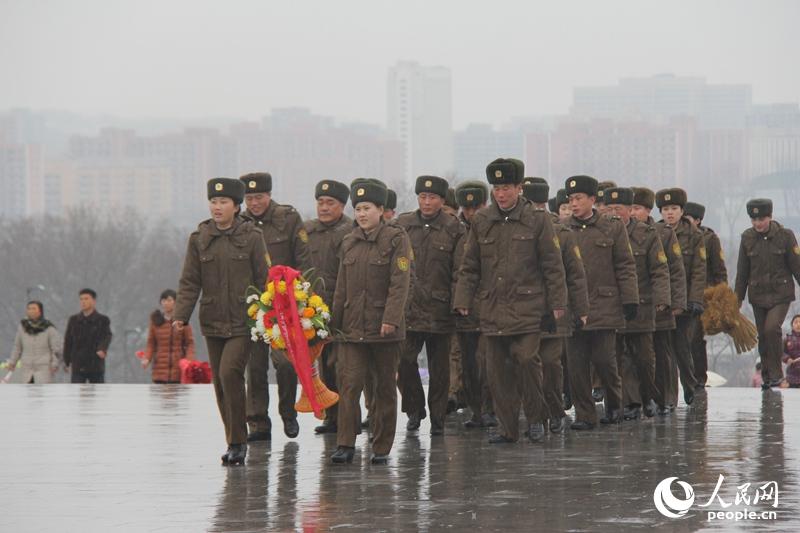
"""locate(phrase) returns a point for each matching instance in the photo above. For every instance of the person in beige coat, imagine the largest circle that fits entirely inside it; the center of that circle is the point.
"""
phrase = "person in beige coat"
(37, 347)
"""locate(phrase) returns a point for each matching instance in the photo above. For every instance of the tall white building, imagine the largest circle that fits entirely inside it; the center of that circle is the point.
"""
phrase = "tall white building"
(419, 107)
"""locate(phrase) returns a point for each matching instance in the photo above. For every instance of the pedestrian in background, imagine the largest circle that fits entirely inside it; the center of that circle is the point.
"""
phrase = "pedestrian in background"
(86, 341)
(37, 346)
(166, 346)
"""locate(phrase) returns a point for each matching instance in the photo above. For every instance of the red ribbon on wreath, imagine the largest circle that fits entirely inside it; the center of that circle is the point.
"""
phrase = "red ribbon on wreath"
(288, 320)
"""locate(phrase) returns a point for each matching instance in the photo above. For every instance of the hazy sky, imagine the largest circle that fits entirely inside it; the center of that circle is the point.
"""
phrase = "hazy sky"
(193, 58)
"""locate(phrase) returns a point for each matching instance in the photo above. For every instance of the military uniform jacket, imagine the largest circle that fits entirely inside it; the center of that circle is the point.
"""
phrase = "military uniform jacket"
(576, 281)
(373, 284)
(512, 264)
(284, 235)
(471, 322)
(716, 272)
(652, 274)
(610, 269)
(767, 262)
(324, 246)
(665, 320)
(218, 268)
(437, 244)
(693, 249)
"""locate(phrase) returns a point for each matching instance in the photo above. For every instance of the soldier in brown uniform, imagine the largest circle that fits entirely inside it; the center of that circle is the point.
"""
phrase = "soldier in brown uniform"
(600, 201)
(636, 356)
(768, 259)
(224, 257)
(472, 197)
(287, 242)
(613, 299)
(671, 203)
(325, 235)
(369, 309)
(716, 273)
(552, 347)
(666, 367)
(512, 271)
(437, 240)
(391, 205)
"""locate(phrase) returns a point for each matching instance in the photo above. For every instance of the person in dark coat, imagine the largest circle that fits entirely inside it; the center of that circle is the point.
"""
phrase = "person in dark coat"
(86, 341)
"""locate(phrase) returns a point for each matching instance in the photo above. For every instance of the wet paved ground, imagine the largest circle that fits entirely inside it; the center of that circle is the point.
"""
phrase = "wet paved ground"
(145, 458)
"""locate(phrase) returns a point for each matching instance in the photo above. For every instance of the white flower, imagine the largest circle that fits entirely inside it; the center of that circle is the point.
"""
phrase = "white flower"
(252, 298)
(276, 331)
(306, 285)
(326, 315)
(306, 323)
(298, 286)
(322, 333)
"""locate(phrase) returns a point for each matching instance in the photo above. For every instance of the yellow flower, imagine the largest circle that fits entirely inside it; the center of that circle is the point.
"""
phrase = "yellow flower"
(266, 298)
(323, 309)
(282, 287)
(252, 311)
(300, 296)
(315, 301)
(271, 287)
(279, 344)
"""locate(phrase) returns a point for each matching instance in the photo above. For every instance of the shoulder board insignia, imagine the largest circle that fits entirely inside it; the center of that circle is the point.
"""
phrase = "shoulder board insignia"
(556, 242)
(796, 250)
(402, 264)
(303, 234)
(676, 249)
(578, 252)
(662, 257)
(703, 254)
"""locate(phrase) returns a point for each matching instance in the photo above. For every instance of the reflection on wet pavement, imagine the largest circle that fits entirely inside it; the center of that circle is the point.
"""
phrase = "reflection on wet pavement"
(146, 458)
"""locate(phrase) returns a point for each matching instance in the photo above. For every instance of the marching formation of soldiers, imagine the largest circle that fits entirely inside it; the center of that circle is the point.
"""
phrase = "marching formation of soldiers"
(546, 302)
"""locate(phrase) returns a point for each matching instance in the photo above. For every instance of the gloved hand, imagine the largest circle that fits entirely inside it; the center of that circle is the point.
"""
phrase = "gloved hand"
(629, 311)
(548, 324)
(695, 309)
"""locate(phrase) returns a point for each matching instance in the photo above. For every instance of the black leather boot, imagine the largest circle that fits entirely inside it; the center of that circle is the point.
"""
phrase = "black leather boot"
(237, 454)
(343, 455)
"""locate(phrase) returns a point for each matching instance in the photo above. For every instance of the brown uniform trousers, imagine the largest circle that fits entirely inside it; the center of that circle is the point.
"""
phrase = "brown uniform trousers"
(635, 352)
(356, 361)
(221, 265)
(765, 268)
(474, 375)
(371, 289)
(437, 243)
(611, 282)
(286, 241)
(513, 271)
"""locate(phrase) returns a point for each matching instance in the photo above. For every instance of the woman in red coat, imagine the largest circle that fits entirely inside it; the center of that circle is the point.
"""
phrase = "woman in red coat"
(166, 346)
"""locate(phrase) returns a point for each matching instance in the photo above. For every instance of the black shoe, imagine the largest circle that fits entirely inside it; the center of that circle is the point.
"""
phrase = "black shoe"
(379, 459)
(663, 410)
(536, 432)
(688, 396)
(413, 422)
(473, 423)
(598, 395)
(237, 454)
(499, 439)
(556, 424)
(632, 413)
(489, 420)
(437, 430)
(342, 455)
(257, 436)
(452, 405)
(225, 457)
(767, 385)
(649, 409)
(291, 427)
(612, 417)
(699, 387)
(325, 428)
(365, 423)
(580, 425)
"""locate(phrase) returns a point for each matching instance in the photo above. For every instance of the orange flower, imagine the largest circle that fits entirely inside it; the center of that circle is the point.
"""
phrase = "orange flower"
(310, 333)
(309, 312)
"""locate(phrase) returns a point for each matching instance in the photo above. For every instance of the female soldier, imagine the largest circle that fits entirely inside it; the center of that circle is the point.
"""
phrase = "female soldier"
(224, 256)
(369, 310)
